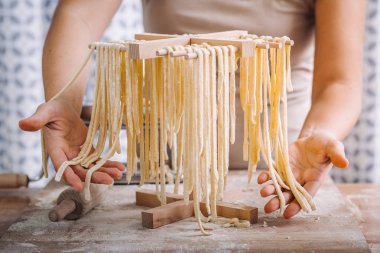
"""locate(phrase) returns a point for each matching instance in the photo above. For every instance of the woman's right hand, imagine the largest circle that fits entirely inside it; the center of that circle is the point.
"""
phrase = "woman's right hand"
(64, 133)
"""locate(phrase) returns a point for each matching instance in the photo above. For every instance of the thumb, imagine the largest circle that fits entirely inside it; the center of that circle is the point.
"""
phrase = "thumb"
(42, 116)
(335, 151)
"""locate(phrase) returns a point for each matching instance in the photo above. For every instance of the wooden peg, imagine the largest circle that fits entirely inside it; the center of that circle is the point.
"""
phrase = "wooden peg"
(191, 56)
(178, 53)
(162, 52)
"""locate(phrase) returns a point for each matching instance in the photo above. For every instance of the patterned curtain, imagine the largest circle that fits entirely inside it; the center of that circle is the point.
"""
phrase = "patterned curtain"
(23, 27)
(362, 144)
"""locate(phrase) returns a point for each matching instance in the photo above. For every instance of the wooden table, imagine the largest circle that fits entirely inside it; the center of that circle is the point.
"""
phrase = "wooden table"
(363, 201)
(12, 204)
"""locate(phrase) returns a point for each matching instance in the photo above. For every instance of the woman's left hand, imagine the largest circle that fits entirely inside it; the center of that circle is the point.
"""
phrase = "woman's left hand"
(310, 158)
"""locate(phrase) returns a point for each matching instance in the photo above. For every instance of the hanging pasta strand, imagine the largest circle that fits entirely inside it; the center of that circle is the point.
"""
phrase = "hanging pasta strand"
(214, 177)
(113, 135)
(220, 121)
(232, 92)
(243, 98)
(302, 197)
(226, 112)
(99, 93)
(146, 110)
(266, 149)
(206, 153)
(253, 116)
(179, 122)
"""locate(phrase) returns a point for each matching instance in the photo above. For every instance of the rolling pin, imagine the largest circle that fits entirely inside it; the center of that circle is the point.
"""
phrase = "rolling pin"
(13, 180)
(71, 204)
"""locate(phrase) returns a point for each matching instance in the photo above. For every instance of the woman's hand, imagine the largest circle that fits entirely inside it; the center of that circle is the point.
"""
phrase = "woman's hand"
(310, 158)
(64, 133)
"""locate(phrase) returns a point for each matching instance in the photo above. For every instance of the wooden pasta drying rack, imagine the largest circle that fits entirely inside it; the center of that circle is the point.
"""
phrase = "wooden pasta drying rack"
(150, 45)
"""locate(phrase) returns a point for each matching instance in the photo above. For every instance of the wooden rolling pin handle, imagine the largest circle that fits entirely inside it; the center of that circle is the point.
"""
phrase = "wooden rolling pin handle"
(64, 208)
(13, 180)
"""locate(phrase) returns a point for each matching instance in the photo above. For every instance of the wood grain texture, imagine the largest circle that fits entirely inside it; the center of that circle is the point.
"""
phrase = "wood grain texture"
(167, 214)
(229, 210)
(115, 226)
(234, 34)
(12, 204)
(154, 36)
(364, 202)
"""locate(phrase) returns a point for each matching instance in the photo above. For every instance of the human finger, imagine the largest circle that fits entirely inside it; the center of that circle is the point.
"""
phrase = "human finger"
(274, 203)
(263, 177)
(71, 178)
(115, 173)
(335, 151)
(267, 190)
(293, 208)
(114, 164)
(40, 118)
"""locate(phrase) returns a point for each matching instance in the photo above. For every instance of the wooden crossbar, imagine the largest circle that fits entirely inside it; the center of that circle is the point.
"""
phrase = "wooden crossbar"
(176, 209)
(148, 49)
(152, 45)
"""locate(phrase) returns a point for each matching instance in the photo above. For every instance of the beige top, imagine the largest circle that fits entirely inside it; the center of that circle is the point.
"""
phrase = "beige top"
(293, 18)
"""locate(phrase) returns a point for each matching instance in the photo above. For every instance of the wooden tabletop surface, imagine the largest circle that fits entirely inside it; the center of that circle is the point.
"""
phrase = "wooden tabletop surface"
(363, 199)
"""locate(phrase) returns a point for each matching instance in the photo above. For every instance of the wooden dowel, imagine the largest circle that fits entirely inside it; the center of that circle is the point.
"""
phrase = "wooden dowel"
(262, 45)
(148, 49)
(254, 37)
(275, 45)
(178, 53)
(162, 52)
(191, 56)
